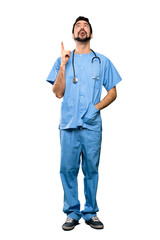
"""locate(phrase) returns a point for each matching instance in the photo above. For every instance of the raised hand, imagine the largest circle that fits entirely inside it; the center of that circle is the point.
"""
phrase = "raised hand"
(65, 55)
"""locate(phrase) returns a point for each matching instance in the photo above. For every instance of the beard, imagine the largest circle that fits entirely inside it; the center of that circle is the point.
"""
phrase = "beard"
(86, 39)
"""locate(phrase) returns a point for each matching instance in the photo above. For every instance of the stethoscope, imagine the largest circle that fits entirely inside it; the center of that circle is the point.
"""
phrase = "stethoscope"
(75, 79)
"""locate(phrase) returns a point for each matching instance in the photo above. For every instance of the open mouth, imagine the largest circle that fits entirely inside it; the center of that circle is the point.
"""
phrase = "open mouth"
(82, 33)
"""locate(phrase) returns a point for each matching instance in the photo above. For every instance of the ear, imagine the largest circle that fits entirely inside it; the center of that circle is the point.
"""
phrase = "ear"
(73, 35)
(91, 35)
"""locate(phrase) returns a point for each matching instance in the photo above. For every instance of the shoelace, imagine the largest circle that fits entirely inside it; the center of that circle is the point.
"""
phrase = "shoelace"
(69, 220)
(95, 218)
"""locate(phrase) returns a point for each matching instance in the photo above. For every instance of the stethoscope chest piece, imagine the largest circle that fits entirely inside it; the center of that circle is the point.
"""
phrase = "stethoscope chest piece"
(75, 80)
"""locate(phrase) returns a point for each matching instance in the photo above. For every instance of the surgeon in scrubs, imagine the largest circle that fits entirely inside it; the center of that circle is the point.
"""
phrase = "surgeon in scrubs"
(78, 77)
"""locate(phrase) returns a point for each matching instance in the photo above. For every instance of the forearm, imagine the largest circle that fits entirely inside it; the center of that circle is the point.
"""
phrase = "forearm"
(107, 100)
(59, 84)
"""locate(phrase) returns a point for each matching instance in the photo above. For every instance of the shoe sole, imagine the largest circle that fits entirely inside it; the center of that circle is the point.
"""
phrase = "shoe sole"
(95, 227)
(69, 228)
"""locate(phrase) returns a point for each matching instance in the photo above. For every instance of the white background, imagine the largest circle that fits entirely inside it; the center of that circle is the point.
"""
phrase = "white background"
(31, 200)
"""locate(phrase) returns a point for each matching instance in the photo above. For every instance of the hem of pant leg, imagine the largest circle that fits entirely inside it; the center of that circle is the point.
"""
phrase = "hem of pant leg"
(88, 216)
(74, 216)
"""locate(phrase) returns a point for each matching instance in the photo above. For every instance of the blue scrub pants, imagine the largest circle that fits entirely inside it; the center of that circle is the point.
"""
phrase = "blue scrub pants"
(87, 144)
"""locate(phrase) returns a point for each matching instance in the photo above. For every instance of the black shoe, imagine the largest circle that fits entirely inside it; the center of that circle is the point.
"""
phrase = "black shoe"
(94, 222)
(69, 224)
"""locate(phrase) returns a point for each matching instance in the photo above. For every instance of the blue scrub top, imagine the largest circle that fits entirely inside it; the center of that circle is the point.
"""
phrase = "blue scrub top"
(79, 100)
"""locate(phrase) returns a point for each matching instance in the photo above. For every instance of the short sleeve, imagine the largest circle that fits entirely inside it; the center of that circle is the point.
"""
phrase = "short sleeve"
(54, 71)
(111, 76)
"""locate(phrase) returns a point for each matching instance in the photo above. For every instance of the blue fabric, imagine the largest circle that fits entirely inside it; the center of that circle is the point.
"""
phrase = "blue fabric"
(79, 100)
(80, 146)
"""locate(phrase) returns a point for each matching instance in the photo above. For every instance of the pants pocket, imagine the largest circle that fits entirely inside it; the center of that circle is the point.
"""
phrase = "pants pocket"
(91, 115)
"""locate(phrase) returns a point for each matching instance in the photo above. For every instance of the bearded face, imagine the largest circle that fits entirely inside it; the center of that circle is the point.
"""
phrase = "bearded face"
(82, 32)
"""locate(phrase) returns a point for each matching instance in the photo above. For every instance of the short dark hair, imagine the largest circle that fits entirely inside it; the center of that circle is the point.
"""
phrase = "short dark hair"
(84, 19)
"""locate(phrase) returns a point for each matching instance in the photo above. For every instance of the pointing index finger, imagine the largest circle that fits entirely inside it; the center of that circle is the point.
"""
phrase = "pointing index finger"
(62, 45)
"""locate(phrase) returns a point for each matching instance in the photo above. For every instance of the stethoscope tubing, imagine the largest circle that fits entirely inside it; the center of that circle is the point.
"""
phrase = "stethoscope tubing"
(75, 80)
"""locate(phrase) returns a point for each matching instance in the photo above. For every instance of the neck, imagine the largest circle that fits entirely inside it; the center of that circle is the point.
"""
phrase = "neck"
(82, 48)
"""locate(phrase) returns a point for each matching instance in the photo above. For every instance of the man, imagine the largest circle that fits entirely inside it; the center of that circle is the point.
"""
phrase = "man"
(78, 77)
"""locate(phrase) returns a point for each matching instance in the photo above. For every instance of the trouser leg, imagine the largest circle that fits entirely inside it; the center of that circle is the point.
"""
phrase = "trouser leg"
(91, 146)
(70, 161)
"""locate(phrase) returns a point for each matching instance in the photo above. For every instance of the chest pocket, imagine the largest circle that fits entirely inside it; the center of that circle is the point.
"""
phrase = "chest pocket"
(96, 73)
(97, 83)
